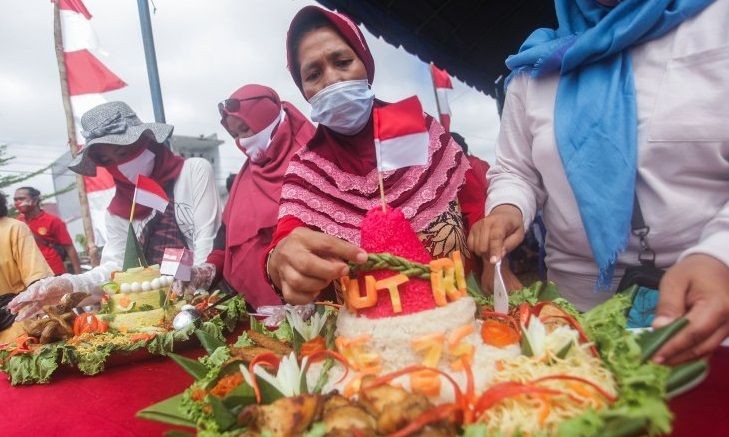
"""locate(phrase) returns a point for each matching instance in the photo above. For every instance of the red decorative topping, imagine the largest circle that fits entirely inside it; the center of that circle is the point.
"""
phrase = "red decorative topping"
(391, 232)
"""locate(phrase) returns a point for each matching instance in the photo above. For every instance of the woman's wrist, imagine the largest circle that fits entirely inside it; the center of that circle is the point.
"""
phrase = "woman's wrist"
(269, 276)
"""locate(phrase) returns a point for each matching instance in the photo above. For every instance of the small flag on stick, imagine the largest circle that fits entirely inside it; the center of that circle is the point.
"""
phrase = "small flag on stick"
(177, 263)
(401, 138)
(442, 83)
(149, 193)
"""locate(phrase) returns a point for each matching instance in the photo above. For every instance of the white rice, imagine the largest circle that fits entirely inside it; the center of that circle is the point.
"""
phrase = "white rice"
(391, 339)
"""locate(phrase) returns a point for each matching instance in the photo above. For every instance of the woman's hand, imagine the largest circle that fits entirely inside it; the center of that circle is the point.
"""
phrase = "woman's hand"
(498, 233)
(306, 262)
(698, 288)
(201, 277)
(47, 291)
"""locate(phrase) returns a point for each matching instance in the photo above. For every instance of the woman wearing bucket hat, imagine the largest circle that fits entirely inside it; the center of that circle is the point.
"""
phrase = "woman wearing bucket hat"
(333, 182)
(119, 142)
(269, 132)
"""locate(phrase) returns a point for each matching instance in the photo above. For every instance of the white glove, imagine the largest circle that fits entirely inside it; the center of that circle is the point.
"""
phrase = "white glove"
(47, 291)
(201, 277)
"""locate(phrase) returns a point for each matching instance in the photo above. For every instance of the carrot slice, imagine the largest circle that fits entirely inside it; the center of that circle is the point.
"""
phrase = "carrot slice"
(498, 334)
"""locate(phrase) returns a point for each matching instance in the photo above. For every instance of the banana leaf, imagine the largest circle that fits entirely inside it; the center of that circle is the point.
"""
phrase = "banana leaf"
(166, 411)
(193, 367)
(209, 342)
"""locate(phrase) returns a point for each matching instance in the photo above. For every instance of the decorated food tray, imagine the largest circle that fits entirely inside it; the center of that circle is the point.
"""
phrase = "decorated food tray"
(133, 318)
(417, 349)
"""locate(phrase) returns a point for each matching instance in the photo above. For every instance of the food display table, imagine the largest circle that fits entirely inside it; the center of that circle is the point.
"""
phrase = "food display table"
(106, 404)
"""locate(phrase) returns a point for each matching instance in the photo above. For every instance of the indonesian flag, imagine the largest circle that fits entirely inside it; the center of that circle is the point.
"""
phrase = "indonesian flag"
(442, 83)
(401, 138)
(87, 78)
(149, 193)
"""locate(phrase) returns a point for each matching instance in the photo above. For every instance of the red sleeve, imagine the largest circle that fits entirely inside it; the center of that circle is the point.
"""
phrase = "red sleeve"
(472, 197)
(216, 257)
(60, 233)
(284, 227)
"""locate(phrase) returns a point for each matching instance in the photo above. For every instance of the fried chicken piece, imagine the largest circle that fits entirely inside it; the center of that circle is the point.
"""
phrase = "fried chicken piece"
(395, 408)
(248, 353)
(284, 417)
(341, 417)
(375, 399)
(269, 343)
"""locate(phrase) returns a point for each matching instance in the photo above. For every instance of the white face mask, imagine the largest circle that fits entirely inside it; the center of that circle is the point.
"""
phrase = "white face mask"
(343, 107)
(255, 145)
(142, 164)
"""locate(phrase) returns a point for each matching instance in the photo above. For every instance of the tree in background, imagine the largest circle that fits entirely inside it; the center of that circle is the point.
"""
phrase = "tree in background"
(6, 181)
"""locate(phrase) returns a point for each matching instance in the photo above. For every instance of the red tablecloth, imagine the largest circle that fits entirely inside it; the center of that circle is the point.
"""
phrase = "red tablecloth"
(105, 405)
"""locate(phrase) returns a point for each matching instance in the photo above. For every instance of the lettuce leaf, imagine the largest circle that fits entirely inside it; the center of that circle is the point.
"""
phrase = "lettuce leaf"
(33, 367)
(641, 386)
(39, 366)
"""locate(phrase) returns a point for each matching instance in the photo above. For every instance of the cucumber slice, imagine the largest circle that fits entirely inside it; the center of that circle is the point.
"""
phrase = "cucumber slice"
(110, 288)
(126, 309)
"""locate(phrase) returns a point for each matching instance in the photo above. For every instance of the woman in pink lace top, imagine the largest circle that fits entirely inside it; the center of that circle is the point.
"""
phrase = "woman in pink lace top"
(332, 182)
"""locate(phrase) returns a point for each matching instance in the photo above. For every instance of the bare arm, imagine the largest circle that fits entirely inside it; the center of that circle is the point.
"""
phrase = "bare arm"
(73, 256)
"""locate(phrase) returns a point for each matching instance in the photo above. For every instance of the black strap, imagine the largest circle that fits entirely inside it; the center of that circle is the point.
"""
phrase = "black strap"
(646, 256)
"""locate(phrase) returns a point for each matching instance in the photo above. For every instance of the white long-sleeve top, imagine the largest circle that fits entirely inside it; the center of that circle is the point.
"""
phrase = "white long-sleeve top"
(682, 88)
(197, 212)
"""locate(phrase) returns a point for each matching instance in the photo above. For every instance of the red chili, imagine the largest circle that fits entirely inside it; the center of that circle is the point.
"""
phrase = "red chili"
(268, 359)
(312, 346)
(574, 324)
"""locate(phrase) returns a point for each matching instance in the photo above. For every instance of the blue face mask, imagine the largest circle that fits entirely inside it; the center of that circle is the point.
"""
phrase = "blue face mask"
(343, 107)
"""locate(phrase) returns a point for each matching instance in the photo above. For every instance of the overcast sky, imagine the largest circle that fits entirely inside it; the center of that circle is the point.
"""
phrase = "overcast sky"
(205, 50)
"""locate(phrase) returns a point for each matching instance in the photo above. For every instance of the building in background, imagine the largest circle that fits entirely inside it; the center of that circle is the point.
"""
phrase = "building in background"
(202, 147)
(31, 157)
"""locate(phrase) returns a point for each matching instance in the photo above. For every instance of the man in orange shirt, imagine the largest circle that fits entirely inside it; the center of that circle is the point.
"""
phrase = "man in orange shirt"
(49, 231)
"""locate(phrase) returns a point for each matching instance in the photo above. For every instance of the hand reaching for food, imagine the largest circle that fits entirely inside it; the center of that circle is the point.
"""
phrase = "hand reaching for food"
(201, 277)
(306, 262)
(47, 291)
(498, 233)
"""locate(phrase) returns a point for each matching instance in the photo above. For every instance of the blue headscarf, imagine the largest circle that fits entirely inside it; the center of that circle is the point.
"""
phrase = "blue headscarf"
(595, 120)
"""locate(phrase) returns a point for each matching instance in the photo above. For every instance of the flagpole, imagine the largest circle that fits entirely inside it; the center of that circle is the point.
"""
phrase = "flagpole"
(71, 130)
(134, 202)
(435, 92)
(382, 191)
(376, 123)
(151, 58)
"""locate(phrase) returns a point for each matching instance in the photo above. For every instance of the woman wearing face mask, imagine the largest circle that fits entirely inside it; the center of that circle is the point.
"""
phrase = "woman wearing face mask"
(268, 132)
(333, 182)
(119, 142)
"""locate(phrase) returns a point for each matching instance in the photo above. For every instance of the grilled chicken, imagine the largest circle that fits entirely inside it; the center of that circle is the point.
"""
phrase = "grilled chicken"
(284, 417)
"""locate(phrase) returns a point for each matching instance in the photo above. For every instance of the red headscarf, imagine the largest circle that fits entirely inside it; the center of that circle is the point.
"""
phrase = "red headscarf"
(333, 182)
(252, 208)
(259, 106)
(167, 167)
(346, 28)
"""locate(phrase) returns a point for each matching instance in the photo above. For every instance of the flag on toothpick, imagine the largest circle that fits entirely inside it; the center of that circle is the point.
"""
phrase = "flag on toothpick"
(177, 262)
(149, 193)
(401, 138)
(442, 83)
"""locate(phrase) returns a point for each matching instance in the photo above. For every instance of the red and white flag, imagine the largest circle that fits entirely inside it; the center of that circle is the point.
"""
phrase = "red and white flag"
(87, 79)
(149, 193)
(401, 138)
(442, 83)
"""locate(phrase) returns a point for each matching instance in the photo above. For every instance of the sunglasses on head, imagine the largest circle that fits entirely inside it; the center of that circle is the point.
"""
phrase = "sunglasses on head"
(229, 105)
